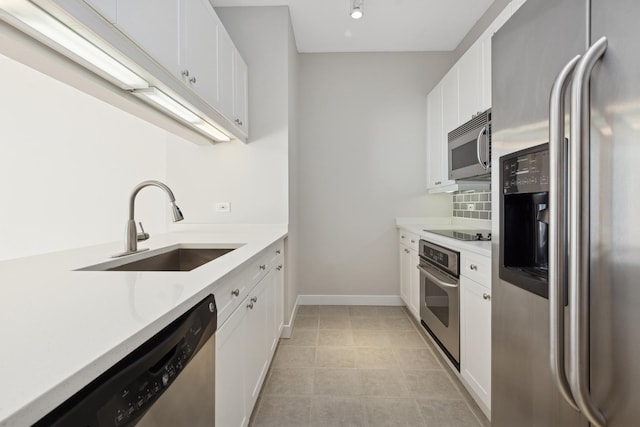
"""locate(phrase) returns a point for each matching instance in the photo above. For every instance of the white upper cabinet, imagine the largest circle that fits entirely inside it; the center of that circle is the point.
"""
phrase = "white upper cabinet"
(199, 46)
(106, 8)
(470, 85)
(188, 39)
(225, 59)
(437, 170)
(240, 83)
(463, 92)
(155, 27)
(450, 105)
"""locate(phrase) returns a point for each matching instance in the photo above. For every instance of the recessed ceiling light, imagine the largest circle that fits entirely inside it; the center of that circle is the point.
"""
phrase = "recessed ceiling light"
(357, 9)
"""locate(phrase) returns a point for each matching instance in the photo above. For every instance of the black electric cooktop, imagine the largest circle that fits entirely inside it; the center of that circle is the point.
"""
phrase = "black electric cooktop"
(467, 235)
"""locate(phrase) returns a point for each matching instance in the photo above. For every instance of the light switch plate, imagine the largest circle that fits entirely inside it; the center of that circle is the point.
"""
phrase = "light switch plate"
(223, 207)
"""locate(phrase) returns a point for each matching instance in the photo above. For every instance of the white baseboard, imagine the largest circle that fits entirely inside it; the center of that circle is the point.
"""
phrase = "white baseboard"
(349, 300)
(287, 329)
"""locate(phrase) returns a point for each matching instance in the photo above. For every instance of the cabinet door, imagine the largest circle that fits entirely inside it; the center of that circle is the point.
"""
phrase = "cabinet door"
(279, 304)
(470, 83)
(475, 338)
(258, 337)
(155, 27)
(437, 153)
(450, 102)
(200, 43)
(240, 83)
(414, 286)
(106, 8)
(225, 73)
(435, 143)
(405, 278)
(231, 351)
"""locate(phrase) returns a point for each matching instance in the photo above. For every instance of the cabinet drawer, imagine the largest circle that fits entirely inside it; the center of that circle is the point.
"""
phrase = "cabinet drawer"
(230, 293)
(233, 289)
(476, 267)
(408, 239)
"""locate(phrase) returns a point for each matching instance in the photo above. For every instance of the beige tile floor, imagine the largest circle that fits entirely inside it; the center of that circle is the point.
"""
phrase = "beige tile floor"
(361, 366)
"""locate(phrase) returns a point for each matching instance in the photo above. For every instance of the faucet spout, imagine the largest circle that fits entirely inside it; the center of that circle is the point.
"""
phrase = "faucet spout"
(131, 232)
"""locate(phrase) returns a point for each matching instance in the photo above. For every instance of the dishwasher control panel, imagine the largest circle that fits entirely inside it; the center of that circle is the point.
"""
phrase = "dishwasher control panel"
(133, 400)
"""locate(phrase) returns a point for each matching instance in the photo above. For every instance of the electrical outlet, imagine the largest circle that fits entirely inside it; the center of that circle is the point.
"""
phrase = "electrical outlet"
(223, 207)
(471, 206)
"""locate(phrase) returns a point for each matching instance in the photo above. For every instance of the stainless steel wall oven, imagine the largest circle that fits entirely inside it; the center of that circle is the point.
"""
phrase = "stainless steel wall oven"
(440, 297)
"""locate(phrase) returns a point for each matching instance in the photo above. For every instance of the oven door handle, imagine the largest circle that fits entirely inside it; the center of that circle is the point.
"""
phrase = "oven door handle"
(435, 279)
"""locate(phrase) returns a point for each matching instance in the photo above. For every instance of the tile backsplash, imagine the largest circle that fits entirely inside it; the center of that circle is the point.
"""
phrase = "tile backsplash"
(476, 205)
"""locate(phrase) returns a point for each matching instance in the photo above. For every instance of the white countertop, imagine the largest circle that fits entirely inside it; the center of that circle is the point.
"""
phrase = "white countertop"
(418, 226)
(61, 328)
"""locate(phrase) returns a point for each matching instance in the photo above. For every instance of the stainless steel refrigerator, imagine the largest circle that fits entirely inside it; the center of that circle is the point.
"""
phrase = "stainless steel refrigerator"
(579, 346)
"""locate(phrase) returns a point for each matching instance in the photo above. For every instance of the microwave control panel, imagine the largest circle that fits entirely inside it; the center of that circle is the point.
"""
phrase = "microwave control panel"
(526, 173)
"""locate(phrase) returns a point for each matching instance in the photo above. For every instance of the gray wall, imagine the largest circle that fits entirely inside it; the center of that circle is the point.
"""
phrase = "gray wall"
(293, 245)
(362, 164)
(253, 176)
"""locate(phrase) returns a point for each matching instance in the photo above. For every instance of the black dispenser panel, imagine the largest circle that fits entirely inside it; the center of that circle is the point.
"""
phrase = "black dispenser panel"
(524, 213)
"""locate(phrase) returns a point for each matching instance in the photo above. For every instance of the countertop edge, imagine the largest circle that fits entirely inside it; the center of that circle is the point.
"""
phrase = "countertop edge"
(49, 399)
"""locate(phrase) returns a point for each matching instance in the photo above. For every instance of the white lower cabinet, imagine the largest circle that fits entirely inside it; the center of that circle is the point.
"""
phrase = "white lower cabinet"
(409, 273)
(475, 340)
(245, 344)
(231, 351)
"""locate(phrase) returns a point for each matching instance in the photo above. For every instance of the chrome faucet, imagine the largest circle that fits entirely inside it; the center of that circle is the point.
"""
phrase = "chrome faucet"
(131, 236)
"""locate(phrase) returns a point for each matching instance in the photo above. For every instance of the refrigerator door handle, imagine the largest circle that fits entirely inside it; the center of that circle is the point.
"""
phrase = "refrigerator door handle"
(558, 230)
(579, 234)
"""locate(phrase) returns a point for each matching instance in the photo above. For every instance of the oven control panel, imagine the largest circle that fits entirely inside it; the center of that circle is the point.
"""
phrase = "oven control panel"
(446, 259)
(526, 173)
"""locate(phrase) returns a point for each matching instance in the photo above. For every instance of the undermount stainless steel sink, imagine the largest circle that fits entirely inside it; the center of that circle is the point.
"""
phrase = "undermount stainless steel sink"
(178, 259)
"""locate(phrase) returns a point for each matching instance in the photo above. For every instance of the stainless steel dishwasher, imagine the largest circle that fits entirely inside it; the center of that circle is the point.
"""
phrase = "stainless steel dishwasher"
(167, 381)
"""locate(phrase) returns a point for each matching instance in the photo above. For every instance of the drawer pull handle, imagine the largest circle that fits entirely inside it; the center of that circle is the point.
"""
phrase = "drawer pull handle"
(235, 292)
(250, 306)
(402, 237)
(254, 299)
(278, 252)
(406, 251)
(263, 267)
(473, 267)
(413, 241)
(486, 296)
(279, 267)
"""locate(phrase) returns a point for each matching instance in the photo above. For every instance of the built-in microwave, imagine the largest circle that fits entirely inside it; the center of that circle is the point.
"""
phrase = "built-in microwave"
(470, 149)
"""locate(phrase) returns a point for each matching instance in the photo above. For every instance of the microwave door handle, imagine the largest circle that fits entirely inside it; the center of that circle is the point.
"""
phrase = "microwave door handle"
(558, 230)
(478, 151)
(579, 223)
(437, 281)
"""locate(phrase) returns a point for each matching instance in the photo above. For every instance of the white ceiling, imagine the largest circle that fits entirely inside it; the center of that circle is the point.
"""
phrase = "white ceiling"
(387, 25)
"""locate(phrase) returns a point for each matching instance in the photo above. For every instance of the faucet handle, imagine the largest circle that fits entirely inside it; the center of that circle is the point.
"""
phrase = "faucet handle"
(142, 236)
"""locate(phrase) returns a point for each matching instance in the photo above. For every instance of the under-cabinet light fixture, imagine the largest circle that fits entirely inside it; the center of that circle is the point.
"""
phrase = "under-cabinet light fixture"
(173, 107)
(357, 9)
(44, 26)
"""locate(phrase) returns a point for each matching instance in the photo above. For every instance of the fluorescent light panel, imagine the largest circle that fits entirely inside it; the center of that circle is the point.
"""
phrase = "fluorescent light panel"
(45, 24)
(172, 106)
